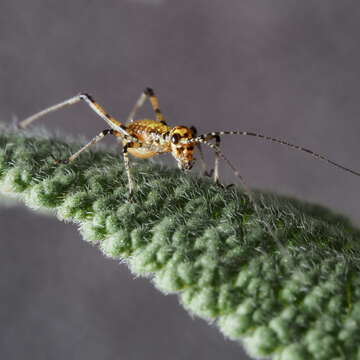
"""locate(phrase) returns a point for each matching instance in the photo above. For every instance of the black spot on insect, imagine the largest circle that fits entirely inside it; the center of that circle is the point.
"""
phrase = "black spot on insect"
(193, 130)
(85, 96)
(148, 91)
(175, 138)
(106, 131)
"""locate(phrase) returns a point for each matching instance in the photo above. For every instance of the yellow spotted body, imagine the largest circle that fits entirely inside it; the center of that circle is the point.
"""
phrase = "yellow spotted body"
(155, 137)
(151, 135)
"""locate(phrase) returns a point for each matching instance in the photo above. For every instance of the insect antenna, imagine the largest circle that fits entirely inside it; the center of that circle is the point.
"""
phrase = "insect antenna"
(204, 137)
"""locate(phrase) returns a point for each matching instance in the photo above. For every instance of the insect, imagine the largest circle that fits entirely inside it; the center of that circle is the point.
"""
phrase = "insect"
(146, 138)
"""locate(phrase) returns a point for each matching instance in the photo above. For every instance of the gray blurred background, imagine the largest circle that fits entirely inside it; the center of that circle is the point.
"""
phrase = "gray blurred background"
(286, 69)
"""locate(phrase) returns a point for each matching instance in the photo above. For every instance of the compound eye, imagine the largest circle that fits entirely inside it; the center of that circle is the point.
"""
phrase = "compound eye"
(175, 138)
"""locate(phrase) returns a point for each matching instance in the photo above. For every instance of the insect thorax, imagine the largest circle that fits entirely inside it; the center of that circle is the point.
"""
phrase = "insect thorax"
(151, 134)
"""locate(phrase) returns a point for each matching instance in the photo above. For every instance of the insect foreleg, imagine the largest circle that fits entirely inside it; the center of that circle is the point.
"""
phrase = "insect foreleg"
(215, 171)
(219, 154)
(248, 192)
(202, 160)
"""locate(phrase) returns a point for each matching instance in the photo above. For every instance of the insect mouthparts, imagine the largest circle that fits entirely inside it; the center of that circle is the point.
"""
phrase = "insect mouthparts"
(185, 166)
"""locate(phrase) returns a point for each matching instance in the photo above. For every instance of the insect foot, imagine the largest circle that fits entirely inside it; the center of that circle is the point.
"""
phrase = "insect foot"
(59, 162)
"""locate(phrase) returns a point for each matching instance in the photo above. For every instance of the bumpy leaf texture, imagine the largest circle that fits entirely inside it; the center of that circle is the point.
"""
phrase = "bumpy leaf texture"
(284, 280)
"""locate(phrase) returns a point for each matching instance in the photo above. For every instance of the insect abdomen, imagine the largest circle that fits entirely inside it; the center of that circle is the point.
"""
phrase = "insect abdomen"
(141, 153)
(147, 126)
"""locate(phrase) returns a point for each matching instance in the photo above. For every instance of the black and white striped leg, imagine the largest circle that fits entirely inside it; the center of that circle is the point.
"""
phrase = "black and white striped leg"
(95, 140)
(148, 93)
(215, 171)
(127, 168)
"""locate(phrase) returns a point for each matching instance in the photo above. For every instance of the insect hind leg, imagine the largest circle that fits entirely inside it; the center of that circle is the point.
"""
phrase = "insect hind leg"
(89, 100)
(26, 122)
(148, 93)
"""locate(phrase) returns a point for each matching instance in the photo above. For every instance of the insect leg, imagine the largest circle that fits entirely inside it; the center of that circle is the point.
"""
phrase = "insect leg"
(95, 140)
(247, 190)
(127, 167)
(215, 171)
(216, 161)
(25, 123)
(112, 122)
(140, 102)
(148, 93)
(202, 160)
(219, 154)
